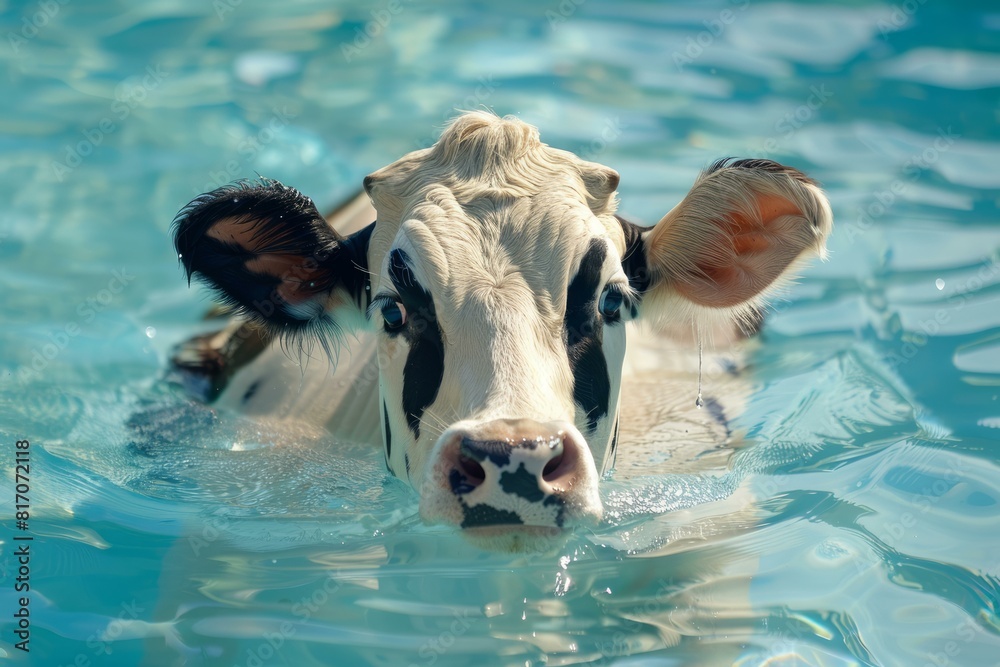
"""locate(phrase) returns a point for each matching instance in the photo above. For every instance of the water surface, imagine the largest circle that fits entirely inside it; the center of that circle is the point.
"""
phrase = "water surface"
(855, 524)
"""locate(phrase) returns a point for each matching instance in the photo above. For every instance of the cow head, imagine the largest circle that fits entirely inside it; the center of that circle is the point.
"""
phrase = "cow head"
(498, 281)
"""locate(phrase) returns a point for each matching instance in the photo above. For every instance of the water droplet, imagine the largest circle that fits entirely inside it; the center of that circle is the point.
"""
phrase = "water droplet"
(698, 402)
(939, 284)
(236, 201)
(150, 332)
(180, 256)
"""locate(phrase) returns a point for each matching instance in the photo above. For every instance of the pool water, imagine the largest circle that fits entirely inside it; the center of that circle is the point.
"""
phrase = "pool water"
(866, 526)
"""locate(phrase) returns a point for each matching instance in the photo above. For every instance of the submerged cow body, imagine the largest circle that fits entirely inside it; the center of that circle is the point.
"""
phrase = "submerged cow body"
(476, 330)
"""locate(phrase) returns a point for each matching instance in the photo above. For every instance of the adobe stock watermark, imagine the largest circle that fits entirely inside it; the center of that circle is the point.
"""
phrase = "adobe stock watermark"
(794, 120)
(948, 652)
(927, 499)
(87, 310)
(483, 91)
(914, 341)
(432, 649)
(562, 12)
(363, 35)
(950, 646)
(35, 22)
(899, 17)
(622, 643)
(128, 97)
(912, 168)
(100, 642)
(272, 642)
(247, 149)
(611, 131)
(695, 46)
(223, 7)
(302, 610)
(211, 530)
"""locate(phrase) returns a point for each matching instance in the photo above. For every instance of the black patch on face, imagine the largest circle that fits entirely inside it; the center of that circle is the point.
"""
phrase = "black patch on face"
(521, 483)
(609, 464)
(485, 515)
(584, 331)
(403, 279)
(634, 259)
(251, 390)
(424, 368)
(496, 451)
(614, 440)
(561, 514)
(388, 434)
(357, 282)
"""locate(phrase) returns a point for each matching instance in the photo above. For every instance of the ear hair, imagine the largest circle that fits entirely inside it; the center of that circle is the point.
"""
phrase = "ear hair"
(735, 239)
(601, 183)
(265, 250)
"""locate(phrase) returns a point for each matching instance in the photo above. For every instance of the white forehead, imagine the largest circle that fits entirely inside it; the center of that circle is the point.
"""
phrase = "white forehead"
(488, 200)
(482, 248)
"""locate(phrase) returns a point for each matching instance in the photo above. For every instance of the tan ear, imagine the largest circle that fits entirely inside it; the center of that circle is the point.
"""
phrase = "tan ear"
(741, 230)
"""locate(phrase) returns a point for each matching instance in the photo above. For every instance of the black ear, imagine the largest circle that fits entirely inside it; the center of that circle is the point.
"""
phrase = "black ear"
(265, 249)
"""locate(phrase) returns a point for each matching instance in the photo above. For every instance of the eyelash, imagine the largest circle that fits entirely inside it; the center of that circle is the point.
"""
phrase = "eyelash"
(386, 299)
(380, 301)
(622, 290)
(393, 312)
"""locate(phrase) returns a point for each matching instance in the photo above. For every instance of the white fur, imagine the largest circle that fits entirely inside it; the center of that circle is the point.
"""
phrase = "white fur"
(495, 224)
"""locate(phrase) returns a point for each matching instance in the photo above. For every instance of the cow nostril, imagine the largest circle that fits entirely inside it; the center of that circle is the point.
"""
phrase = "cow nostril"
(471, 469)
(552, 467)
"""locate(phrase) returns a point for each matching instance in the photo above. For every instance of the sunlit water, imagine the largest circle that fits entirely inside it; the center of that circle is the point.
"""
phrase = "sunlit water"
(858, 524)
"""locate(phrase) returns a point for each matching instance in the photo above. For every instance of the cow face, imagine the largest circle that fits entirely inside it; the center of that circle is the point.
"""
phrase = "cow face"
(498, 281)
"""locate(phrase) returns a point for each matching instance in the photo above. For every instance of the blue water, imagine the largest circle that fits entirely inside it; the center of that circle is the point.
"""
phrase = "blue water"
(868, 526)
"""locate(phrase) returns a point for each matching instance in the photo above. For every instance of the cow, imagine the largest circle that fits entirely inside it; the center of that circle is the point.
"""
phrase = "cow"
(493, 293)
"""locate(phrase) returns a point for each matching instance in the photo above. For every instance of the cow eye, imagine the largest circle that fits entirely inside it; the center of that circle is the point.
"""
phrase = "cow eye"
(611, 302)
(394, 314)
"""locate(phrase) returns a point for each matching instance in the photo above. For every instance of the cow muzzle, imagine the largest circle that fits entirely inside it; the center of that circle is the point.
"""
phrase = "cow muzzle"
(509, 480)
